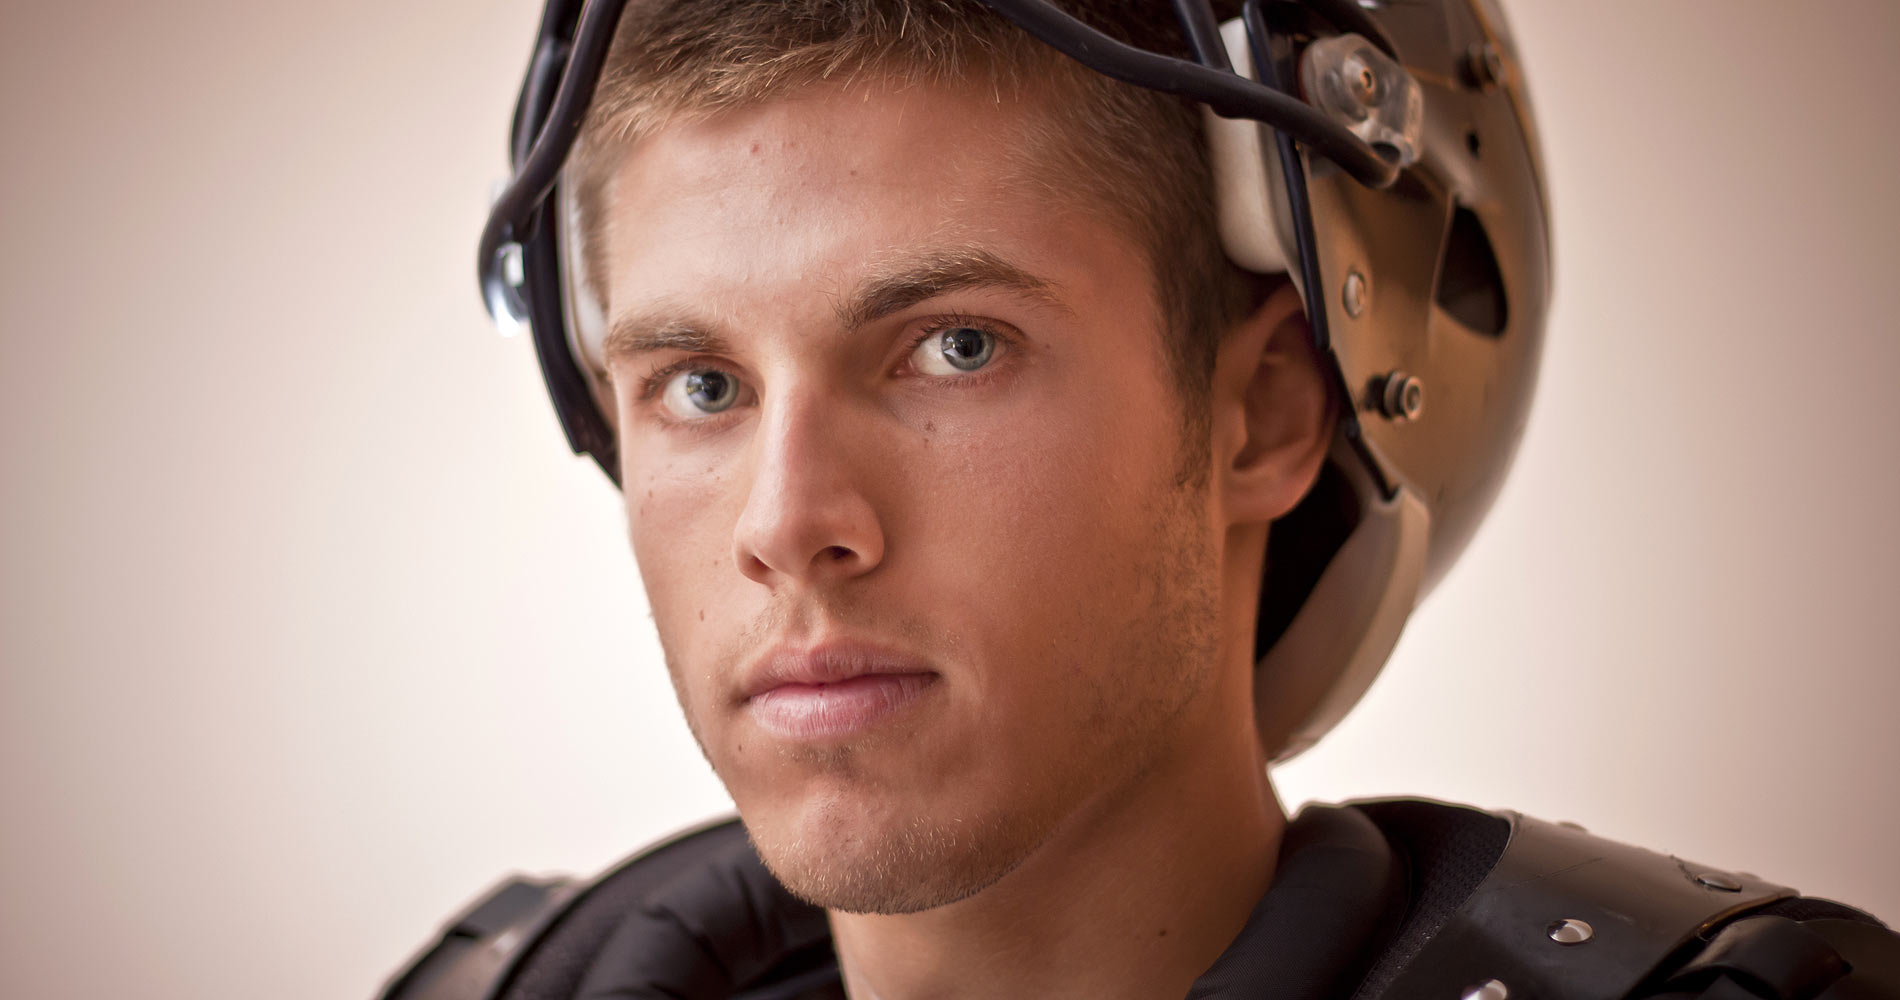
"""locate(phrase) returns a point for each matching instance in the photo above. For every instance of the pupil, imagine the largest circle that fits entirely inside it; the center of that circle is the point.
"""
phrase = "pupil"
(708, 389)
(966, 348)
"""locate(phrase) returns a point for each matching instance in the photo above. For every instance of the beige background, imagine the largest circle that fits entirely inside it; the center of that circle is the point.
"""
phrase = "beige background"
(310, 628)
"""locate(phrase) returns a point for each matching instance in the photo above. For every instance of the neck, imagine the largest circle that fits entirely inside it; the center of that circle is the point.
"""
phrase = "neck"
(1134, 896)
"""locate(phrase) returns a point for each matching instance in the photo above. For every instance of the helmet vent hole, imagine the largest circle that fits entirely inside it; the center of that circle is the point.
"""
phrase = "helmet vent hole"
(1470, 286)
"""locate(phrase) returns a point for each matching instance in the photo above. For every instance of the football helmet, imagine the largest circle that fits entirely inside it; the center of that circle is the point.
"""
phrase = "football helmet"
(1383, 155)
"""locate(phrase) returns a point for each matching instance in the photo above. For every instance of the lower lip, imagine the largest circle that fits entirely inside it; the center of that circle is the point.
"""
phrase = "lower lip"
(830, 711)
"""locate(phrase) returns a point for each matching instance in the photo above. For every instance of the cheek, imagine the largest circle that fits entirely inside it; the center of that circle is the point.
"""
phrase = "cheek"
(680, 527)
(1031, 517)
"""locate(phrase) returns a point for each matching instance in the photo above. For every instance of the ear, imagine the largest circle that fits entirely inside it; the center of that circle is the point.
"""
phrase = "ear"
(1272, 409)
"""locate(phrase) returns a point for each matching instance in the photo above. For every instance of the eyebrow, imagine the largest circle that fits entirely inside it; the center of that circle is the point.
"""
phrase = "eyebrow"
(645, 333)
(902, 282)
(894, 285)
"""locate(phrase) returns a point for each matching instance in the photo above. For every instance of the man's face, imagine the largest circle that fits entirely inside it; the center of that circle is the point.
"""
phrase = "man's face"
(901, 458)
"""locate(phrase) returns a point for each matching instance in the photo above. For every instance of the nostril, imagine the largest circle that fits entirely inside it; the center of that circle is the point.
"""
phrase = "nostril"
(837, 553)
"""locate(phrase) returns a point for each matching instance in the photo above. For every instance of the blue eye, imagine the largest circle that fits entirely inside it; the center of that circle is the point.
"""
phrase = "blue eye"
(700, 391)
(954, 349)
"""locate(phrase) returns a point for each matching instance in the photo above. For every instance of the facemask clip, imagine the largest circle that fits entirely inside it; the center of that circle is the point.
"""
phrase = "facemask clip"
(1366, 92)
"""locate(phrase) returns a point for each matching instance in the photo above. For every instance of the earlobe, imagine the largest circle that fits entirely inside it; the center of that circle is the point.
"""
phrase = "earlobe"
(1273, 408)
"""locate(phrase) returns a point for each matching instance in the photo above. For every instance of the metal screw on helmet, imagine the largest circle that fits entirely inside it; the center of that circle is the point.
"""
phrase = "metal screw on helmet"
(1401, 396)
(503, 296)
(1490, 989)
(1353, 294)
(1571, 931)
(1484, 66)
(1363, 86)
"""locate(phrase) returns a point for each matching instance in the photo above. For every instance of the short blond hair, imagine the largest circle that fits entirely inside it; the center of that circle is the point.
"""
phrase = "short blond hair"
(1139, 155)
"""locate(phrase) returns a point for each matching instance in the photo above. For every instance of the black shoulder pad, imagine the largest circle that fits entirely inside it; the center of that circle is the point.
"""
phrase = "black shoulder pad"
(1768, 956)
(478, 948)
(501, 937)
(1567, 914)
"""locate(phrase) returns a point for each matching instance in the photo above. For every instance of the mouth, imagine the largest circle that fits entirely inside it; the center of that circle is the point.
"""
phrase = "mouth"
(833, 691)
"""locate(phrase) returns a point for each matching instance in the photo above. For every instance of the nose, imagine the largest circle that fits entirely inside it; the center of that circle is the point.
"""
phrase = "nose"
(807, 518)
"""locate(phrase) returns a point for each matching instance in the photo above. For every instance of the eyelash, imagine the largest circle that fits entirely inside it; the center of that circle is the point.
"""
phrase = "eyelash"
(653, 382)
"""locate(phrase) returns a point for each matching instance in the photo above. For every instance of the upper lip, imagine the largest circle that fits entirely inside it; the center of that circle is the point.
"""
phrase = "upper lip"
(824, 663)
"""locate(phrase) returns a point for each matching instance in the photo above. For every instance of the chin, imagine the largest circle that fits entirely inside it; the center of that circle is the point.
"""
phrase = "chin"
(847, 856)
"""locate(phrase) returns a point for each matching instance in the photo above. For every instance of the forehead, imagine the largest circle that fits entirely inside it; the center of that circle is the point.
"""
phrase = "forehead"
(811, 191)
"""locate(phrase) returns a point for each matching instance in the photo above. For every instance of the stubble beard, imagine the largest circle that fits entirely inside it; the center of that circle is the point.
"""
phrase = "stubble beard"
(835, 856)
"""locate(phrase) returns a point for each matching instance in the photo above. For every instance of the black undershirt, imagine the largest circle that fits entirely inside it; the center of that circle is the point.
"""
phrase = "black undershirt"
(1336, 894)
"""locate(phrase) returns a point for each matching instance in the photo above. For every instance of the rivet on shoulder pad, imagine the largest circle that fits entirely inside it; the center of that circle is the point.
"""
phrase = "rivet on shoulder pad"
(1570, 930)
(1490, 989)
(1717, 880)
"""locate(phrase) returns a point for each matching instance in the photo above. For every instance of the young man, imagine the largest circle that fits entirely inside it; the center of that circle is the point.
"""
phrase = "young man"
(959, 395)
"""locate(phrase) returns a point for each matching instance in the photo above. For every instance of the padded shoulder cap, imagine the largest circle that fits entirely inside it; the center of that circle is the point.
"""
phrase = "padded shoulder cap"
(1566, 914)
(478, 948)
(487, 951)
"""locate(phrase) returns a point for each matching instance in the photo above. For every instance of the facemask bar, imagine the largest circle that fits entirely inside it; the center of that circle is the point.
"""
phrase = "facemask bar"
(569, 51)
(572, 47)
(1306, 244)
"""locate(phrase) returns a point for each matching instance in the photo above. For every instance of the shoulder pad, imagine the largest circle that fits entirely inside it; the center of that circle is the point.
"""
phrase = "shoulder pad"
(481, 952)
(478, 948)
(1767, 956)
(1563, 913)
